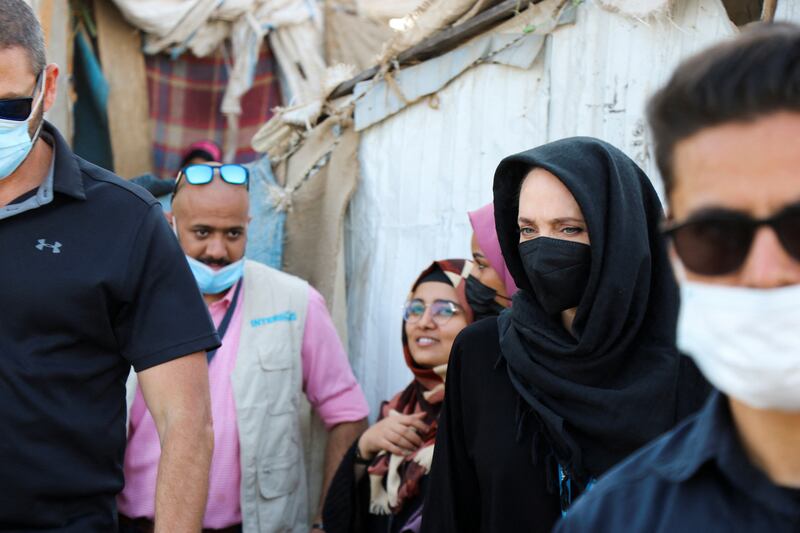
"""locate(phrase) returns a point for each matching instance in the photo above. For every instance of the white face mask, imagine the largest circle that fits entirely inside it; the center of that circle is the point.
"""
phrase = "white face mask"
(745, 341)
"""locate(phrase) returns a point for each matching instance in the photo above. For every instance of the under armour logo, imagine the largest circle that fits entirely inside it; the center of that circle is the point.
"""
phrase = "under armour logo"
(55, 247)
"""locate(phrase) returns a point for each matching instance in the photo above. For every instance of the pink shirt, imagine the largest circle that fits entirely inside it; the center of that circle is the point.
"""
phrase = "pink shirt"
(328, 383)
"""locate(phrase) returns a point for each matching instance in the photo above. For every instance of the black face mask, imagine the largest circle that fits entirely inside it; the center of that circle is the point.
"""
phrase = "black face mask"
(482, 299)
(558, 271)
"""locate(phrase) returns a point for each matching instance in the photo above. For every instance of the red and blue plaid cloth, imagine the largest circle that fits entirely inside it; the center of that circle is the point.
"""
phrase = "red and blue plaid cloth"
(185, 96)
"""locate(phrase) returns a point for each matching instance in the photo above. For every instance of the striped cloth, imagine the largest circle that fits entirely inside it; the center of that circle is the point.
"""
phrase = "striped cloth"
(185, 96)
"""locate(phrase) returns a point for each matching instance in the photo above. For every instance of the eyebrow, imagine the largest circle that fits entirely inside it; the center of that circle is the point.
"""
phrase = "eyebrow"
(437, 300)
(715, 210)
(15, 96)
(212, 228)
(559, 220)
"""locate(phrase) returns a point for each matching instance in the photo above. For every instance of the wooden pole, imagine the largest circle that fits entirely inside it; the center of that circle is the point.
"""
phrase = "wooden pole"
(768, 10)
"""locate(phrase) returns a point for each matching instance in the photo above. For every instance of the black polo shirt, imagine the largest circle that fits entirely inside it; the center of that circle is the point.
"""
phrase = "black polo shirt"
(695, 478)
(91, 282)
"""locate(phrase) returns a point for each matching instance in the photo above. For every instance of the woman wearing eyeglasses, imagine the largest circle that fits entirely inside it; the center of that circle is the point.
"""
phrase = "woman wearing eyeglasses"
(381, 482)
(583, 370)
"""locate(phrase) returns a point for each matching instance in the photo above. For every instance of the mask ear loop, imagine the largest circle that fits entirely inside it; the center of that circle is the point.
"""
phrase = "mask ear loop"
(39, 100)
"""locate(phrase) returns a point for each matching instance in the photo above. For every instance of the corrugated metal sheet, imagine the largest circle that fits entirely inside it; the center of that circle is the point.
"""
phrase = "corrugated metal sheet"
(421, 171)
(423, 168)
(375, 102)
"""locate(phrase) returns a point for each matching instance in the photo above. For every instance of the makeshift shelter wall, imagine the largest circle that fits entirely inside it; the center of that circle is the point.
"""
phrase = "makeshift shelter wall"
(424, 168)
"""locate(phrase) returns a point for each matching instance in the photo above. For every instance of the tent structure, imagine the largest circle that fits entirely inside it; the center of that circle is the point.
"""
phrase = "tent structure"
(467, 83)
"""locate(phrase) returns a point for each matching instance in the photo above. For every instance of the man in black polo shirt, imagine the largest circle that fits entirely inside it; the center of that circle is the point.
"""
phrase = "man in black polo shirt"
(727, 132)
(92, 281)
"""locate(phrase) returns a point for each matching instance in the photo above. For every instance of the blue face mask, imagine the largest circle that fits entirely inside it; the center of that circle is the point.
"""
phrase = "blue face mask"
(213, 281)
(15, 141)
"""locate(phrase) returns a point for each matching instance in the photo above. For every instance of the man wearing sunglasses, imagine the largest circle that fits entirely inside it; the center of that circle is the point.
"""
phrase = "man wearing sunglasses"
(92, 281)
(279, 348)
(727, 132)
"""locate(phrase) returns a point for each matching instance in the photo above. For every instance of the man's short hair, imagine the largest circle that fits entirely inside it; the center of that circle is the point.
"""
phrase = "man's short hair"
(20, 27)
(740, 80)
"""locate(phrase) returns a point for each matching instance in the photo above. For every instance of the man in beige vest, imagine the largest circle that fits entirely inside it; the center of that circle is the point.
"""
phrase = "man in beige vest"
(279, 343)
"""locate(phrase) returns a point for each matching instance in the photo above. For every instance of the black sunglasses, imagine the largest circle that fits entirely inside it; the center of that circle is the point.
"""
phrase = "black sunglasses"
(18, 109)
(718, 241)
(201, 174)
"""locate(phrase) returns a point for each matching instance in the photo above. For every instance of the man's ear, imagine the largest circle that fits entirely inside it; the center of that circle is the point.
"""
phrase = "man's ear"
(50, 84)
(170, 217)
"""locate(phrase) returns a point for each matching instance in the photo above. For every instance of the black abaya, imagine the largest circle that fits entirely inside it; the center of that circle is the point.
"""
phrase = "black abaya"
(483, 477)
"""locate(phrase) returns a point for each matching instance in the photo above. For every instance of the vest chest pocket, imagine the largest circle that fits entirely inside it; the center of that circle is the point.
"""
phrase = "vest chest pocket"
(280, 387)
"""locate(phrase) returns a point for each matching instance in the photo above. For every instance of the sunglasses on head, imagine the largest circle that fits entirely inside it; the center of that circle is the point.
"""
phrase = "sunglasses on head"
(441, 311)
(717, 242)
(201, 174)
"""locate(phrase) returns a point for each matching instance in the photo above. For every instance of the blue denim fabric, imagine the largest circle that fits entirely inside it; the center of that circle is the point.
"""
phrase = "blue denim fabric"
(266, 231)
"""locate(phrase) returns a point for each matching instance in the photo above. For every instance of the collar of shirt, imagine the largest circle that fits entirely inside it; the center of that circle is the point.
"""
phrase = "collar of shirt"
(221, 305)
(713, 441)
(67, 177)
(38, 197)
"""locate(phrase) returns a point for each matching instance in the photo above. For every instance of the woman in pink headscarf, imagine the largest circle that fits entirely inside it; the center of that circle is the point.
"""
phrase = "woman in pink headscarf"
(490, 286)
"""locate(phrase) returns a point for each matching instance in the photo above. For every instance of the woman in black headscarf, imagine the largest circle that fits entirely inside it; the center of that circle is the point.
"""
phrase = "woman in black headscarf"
(583, 369)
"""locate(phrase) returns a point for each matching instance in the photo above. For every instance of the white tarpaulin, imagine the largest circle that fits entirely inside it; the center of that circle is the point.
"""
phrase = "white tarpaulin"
(423, 168)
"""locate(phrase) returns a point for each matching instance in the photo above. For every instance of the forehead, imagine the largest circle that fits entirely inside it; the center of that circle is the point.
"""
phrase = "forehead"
(16, 75)
(434, 290)
(215, 203)
(544, 196)
(752, 167)
(476, 247)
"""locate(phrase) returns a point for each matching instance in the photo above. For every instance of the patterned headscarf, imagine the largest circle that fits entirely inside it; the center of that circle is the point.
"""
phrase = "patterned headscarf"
(395, 478)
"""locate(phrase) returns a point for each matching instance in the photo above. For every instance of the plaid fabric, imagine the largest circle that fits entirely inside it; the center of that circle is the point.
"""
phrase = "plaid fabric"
(185, 96)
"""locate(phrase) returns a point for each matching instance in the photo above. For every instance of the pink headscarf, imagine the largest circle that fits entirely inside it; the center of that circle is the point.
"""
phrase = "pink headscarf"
(483, 225)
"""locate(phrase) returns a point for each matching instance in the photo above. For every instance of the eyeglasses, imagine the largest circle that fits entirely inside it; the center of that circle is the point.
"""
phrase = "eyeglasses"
(18, 109)
(201, 174)
(718, 241)
(441, 311)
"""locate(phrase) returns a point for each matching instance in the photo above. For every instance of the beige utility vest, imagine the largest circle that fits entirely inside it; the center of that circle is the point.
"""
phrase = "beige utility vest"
(271, 408)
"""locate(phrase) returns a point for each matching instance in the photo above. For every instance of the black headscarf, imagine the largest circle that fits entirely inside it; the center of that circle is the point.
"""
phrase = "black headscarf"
(610, 386)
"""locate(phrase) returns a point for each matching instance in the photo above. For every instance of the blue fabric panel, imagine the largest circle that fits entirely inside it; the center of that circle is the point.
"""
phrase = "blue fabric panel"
(265, 240)
(92, 140)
